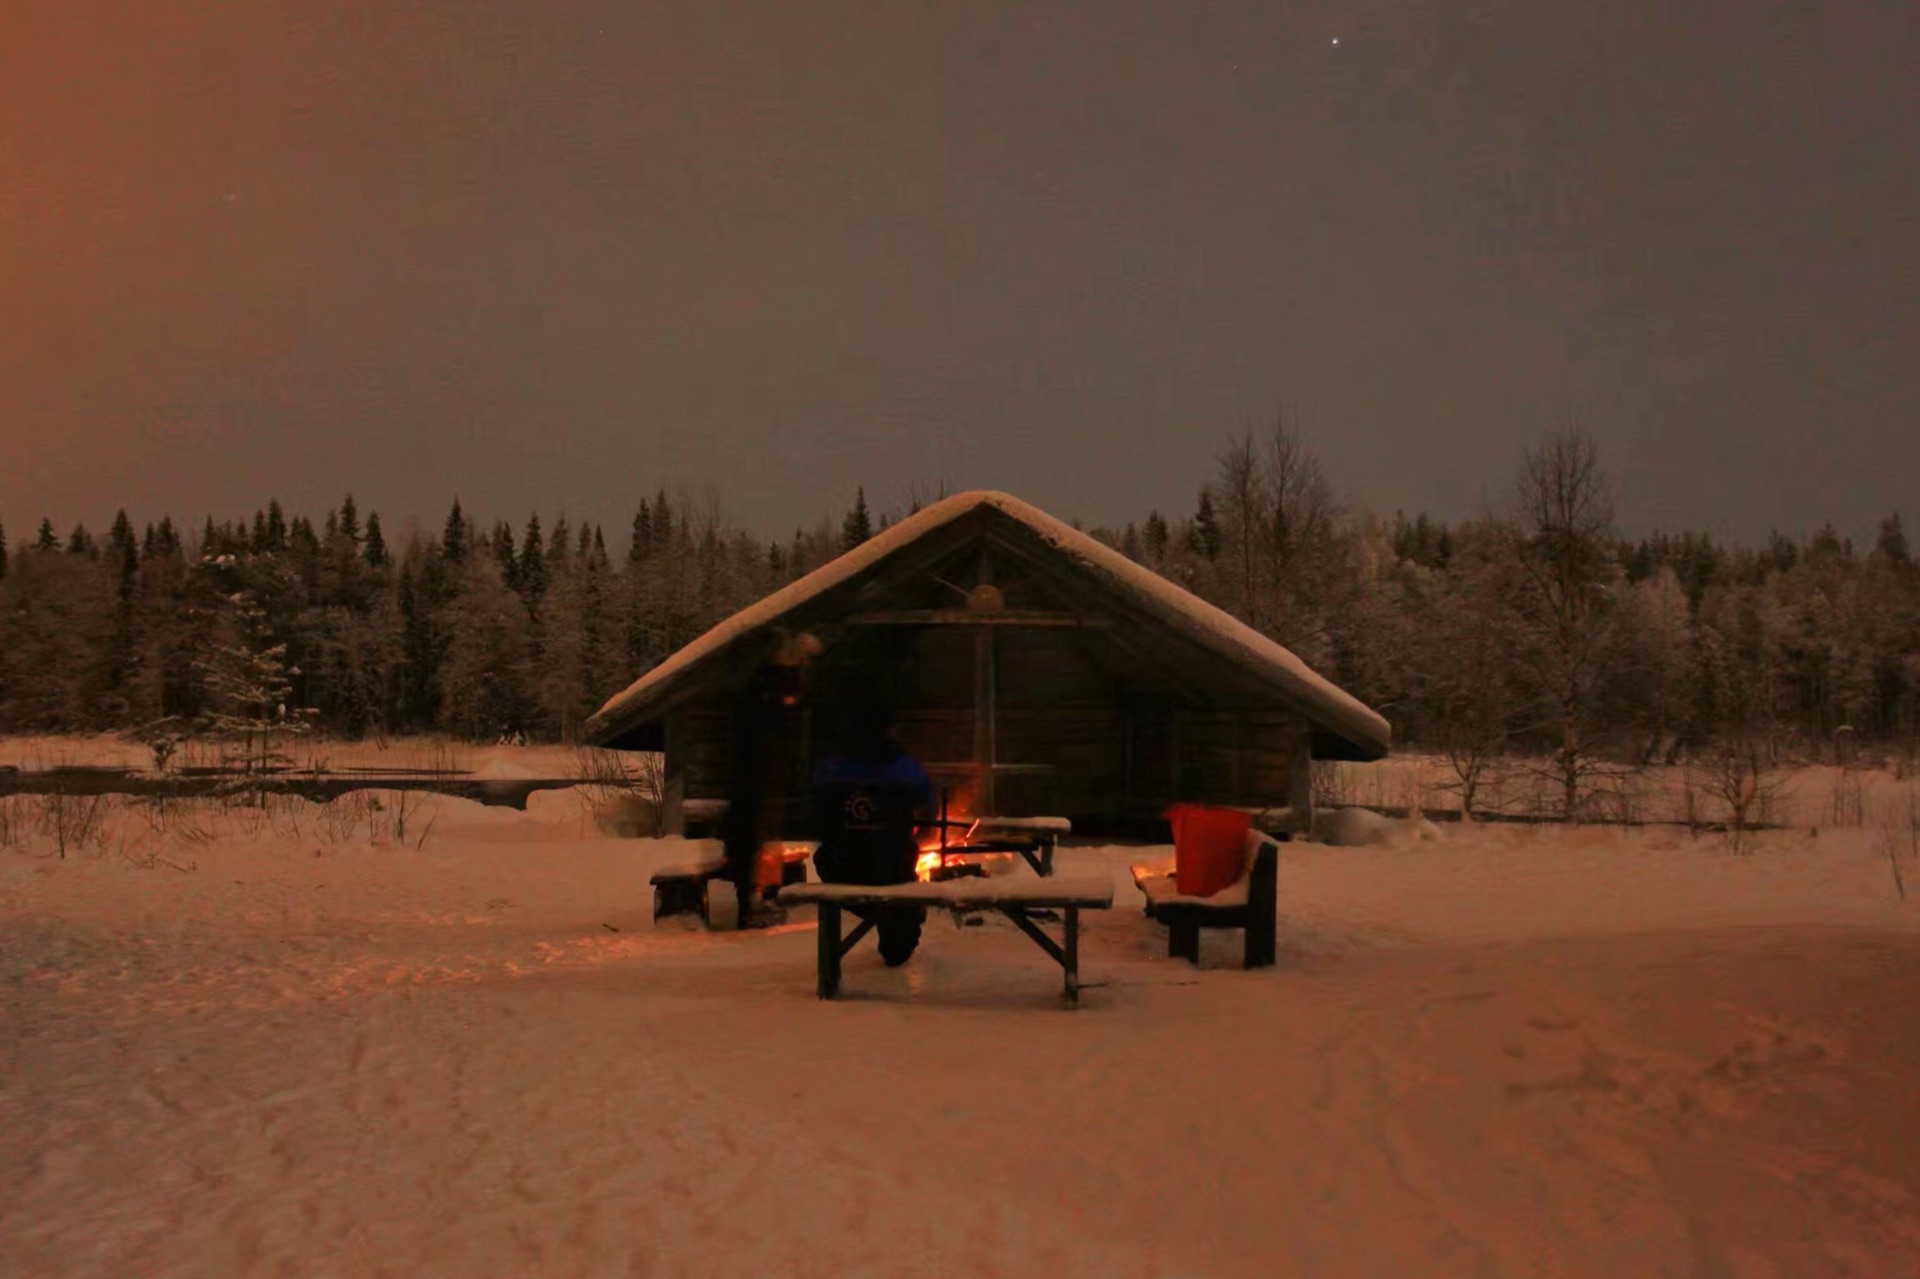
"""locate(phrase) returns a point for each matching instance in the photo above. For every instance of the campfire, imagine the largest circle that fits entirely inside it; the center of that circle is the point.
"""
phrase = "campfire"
(933, 864)
(940, 858)
(929, 861)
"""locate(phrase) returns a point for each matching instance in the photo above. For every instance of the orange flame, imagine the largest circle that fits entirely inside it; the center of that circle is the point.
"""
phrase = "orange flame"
(931, 857)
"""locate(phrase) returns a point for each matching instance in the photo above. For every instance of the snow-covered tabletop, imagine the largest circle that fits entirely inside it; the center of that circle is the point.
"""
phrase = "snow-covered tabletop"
(962, 893)
(1034, 825)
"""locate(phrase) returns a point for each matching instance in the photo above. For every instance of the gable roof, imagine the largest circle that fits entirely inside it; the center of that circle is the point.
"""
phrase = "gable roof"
(1360, 730)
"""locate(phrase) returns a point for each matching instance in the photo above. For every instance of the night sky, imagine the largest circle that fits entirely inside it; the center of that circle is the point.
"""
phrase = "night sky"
(551, 254)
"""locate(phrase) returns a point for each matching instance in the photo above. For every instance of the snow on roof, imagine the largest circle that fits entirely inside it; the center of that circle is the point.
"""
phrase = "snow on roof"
(1328, 705)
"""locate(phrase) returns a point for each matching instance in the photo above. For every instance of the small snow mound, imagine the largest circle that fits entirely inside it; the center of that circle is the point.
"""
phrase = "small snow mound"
(498, 769)
(1362, 827)
(628, 816)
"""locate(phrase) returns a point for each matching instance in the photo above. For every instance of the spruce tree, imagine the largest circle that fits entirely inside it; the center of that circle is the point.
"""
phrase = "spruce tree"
(122, 553)
(3, 552)
(46, 541)
(80, 542)
(426, 596)
(453, 541)
(276, 526)
(1154, 534)
(662, 522)
(1205, 538)
(375, 547)
(303, 548)
(858, 526)
(248, 684)
(533, 562)
(350, 523)
(503, 553)
(642, 544)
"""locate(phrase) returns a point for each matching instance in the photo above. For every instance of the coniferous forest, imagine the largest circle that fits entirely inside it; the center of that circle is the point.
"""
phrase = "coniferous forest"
(1536, 629)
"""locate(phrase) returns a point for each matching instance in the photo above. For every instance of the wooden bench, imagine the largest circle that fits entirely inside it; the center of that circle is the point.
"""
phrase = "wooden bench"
(1250, 902)
(683, 887)
(1020, 900)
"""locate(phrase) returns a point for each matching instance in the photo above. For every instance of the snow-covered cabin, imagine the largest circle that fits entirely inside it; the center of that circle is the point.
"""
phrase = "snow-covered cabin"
(1036, 671)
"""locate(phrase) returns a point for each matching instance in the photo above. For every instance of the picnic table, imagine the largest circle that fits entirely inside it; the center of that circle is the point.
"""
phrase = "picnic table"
(1031, 837)
(1022, 901)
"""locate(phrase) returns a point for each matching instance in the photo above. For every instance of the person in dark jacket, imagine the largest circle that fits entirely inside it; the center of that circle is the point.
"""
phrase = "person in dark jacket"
(764, 719)
(868, 796)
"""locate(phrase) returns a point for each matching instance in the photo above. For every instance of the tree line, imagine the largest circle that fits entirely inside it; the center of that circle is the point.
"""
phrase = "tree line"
(278, 621)
(1536, 630)
(1533, 629)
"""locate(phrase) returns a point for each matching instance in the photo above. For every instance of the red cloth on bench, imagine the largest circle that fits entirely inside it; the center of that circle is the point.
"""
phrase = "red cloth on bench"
(1209, 847)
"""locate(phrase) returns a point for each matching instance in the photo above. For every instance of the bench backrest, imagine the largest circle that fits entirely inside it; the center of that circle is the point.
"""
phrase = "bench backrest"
(1263, 873)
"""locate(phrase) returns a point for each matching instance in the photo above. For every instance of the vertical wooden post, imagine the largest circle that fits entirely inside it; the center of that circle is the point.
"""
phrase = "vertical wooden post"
(1072, 951)
(1263, 907)
(828, 940)
(986, 729)
(1235, 774)
(799, 779)
(673, 786)
(1175, 793)
(1300, 784)
(985, 721)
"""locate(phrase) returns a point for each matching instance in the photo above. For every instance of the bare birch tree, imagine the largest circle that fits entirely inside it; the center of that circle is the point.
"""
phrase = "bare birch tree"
(1242, 508)
(1565, 606)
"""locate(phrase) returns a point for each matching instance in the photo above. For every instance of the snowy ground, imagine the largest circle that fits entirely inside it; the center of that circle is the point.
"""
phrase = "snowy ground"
(1509, 1052)
(308, 752)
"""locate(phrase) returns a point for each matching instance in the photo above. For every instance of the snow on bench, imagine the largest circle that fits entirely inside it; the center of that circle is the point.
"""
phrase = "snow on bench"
(682, 886)
(1160, 891)
(1019, 900)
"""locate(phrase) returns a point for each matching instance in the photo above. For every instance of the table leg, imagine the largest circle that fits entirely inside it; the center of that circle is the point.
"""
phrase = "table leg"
(1071, 960)
(828, 935)
(1183, 940)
